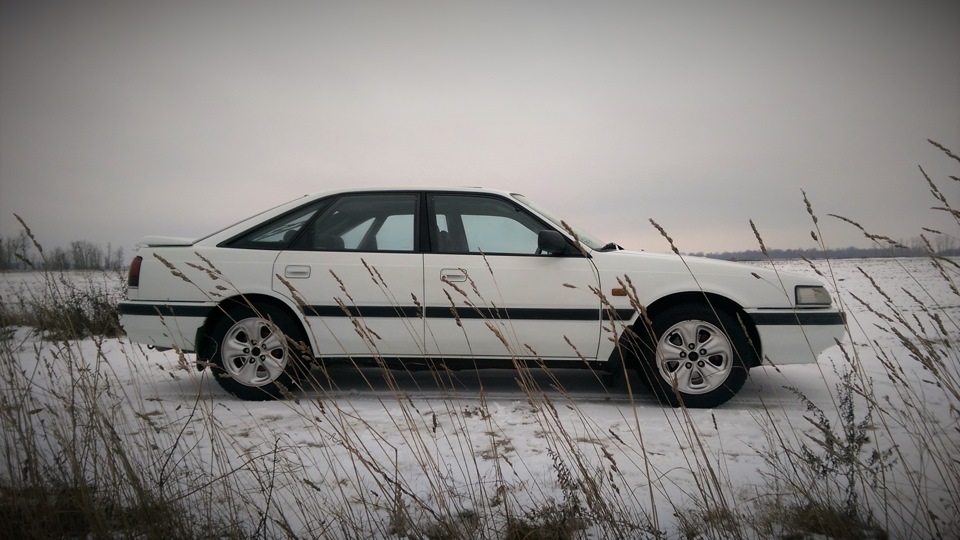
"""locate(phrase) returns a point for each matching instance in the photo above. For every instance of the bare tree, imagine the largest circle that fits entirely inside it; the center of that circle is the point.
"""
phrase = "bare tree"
(118, 263)
(945, 243)
(113, 259)
(86, 255)
(6, 257)
(57, 260)
(19, 247)
(108, 258)
(17, 253)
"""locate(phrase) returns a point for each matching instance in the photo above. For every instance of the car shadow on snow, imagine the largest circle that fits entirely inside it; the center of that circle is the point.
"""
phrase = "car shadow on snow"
(578, 385)
(763, 388)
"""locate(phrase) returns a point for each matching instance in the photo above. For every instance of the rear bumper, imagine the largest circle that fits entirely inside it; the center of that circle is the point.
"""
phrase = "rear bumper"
(169, 324)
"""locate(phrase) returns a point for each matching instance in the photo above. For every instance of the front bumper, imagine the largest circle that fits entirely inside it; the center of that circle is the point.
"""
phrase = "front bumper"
(797, 336)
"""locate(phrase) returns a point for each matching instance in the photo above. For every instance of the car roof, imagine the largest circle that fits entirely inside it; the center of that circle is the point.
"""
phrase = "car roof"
(446, 189)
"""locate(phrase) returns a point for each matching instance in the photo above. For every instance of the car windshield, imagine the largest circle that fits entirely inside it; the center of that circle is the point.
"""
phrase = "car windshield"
(585, 238)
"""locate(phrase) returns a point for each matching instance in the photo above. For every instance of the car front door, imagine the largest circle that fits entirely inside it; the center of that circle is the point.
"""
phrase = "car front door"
(488, 292)
(355, 269)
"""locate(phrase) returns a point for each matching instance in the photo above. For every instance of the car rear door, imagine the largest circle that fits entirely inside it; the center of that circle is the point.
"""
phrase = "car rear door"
(355, 270)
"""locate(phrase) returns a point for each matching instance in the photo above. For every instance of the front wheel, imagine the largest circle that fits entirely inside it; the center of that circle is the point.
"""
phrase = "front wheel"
(699, 356)
(257, 356)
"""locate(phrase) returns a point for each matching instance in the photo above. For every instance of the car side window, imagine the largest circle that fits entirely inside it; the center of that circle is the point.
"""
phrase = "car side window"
(471, 224)
(276, 234)
(366, 222)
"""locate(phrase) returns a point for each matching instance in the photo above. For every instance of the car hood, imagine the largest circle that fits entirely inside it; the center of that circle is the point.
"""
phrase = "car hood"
(686, 263)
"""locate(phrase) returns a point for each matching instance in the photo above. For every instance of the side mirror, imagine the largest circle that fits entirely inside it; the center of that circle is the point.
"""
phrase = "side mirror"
(551, 242)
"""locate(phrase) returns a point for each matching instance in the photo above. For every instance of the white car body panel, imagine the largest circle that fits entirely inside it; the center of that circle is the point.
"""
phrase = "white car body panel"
(793, 344)
(375, 293)
(165, 331)
(511, 306)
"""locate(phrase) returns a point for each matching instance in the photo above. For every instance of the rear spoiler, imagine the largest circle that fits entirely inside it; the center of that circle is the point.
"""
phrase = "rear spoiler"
(164, 241)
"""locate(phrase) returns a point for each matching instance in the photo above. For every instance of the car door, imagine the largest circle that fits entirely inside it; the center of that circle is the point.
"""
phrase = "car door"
(356, 268)
(490, 294)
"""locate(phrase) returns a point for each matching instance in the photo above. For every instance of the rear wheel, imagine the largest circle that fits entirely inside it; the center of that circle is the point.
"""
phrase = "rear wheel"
(700, 356)
(259, 352)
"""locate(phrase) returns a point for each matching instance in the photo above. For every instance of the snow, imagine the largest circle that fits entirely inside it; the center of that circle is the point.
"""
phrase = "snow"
(454, 445)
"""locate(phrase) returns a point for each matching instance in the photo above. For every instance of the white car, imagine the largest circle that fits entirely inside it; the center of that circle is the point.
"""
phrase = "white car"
(462, 278)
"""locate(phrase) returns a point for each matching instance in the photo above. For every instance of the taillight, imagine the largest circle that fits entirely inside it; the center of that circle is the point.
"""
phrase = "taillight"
(133, 278)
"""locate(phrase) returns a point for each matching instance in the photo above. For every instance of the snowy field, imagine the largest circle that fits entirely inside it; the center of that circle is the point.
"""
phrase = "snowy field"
(20, 287)
(388, 454)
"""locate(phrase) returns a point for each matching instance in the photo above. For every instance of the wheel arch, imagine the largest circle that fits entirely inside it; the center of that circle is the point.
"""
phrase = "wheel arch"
(715, 301)
(205, 343)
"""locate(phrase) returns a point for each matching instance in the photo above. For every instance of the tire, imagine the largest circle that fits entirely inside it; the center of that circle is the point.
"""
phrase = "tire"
(258, 352)
(699, 357)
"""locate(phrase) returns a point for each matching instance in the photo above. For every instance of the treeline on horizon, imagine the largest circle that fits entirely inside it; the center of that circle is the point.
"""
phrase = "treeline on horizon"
(840, 253)
(21, 253)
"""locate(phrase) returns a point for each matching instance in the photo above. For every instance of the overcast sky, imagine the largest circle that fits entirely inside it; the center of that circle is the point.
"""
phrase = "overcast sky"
(121, 118)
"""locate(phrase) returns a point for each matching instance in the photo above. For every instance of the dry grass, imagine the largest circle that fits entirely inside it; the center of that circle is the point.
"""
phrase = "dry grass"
(65, 307)
(68, 472)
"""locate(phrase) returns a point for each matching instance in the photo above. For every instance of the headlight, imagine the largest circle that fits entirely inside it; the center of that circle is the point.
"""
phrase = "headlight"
(812, 296)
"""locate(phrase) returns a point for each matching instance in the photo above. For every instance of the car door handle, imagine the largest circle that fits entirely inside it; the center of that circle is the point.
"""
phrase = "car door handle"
(296, 271)
(452, 274)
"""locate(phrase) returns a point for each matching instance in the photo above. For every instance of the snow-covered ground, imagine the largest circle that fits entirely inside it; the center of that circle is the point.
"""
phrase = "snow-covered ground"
(17, 287)
(372, 450)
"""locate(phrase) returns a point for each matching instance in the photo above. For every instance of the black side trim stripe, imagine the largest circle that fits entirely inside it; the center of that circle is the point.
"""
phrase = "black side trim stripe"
(799, 317)
(166, 310)
(539, 314)
(362, 311)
